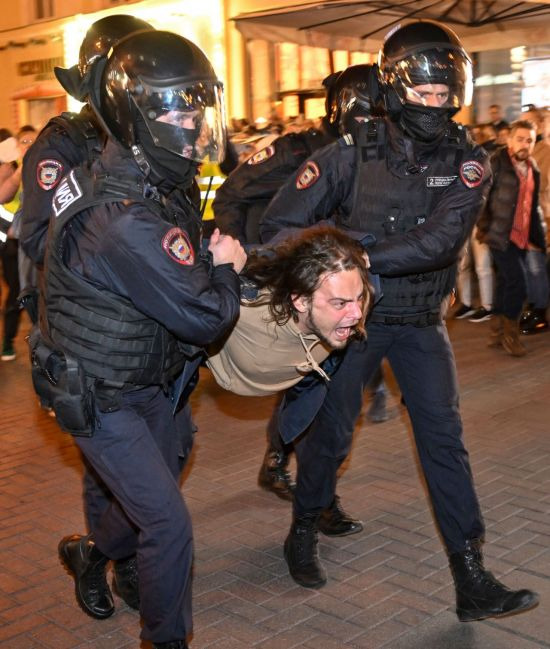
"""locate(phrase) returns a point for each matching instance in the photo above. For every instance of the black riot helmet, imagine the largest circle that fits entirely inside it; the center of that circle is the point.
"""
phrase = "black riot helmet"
(103, 34)
(426, 77)
(329, 125)
(99, 39)
(355, 94)
(425, 53)
(159, 96)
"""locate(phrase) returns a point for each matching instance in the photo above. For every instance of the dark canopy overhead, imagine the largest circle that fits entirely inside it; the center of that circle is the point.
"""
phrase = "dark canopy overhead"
(362, 25)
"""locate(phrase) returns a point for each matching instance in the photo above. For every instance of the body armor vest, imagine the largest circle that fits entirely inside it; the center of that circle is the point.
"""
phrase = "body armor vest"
(390, 201)
(116, 344)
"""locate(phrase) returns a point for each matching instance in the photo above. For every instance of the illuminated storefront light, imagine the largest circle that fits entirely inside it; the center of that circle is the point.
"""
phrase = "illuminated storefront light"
(202, 23)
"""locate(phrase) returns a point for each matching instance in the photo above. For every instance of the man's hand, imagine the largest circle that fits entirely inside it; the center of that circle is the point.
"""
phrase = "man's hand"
(226, 250)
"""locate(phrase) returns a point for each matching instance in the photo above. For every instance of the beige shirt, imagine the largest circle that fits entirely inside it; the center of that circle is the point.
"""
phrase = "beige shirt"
(260, 357)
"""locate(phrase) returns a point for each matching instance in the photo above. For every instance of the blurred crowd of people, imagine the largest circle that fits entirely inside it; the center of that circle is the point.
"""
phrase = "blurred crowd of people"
(476, 278)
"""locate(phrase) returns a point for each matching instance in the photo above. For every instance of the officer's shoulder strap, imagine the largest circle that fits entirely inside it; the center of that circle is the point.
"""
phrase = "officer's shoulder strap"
(81, 189)
(453, 146)
(81, 130)
(371, 140)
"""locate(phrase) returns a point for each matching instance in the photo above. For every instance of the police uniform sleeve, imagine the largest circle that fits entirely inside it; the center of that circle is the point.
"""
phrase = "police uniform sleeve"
(254, 181)
(153, 264)
(321, 184)
(436, 243)
(44, 164)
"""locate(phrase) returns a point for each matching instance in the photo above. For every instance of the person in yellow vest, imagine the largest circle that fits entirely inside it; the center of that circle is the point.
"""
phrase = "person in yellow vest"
(209, 179)
(10, 199)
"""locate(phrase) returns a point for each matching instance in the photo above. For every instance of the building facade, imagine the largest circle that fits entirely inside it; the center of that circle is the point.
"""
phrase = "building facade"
(266, 71)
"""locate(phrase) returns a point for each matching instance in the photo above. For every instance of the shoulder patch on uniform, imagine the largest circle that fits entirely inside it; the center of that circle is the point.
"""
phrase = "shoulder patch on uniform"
(308, 175)
(66, 194)
(261, 156)
(177, 246)
(471, 173)
(48, 173)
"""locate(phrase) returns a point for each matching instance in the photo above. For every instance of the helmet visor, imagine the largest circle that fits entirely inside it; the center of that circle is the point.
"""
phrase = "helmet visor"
(355, 104)
(435, 77)
(186, 119)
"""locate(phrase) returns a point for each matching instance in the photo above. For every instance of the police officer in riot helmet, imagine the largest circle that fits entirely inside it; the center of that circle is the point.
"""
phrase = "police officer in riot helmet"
(243, 197)
(353, 98)
(69, 139)
(411, 186)
(124, 251)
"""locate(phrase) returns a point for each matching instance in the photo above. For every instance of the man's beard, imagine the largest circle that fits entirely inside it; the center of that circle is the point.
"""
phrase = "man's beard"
(521, 155)
(314, 329)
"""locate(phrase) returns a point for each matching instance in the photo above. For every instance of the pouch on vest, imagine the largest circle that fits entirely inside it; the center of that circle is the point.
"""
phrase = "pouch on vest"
(61, 385)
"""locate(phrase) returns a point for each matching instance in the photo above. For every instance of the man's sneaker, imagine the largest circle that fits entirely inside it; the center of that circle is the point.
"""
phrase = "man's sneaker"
(463, 311)
(480, 315)
(535, 323)
(8, 352)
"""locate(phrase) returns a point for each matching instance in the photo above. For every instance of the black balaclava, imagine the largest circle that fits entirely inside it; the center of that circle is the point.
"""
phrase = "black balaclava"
(168, 170)
(424, 123)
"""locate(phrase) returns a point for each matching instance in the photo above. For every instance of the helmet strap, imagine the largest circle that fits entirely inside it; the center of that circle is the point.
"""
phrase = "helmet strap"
(141, 160)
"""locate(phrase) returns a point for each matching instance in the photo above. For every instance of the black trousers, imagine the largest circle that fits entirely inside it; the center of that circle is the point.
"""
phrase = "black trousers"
(511, 281)
(322, 448)
(12, 313)
(423, 363)
(134, 504)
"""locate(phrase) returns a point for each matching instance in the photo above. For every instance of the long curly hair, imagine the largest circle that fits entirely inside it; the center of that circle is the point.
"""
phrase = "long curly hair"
(299, 264)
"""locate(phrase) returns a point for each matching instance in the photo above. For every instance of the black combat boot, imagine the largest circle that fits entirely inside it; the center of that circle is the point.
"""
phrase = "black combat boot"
(174, 644)
(125, 581)
(274, 475)
(301, 552)
(478, 594)
(335, 522)
(87, 564)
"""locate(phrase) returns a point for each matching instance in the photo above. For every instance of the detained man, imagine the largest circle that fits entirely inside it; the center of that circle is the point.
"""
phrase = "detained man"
(302, 300)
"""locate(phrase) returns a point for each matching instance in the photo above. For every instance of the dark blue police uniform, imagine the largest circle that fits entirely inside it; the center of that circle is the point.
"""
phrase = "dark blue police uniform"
(243, 197)
(420, 217)
(137, 272)
(66, 142)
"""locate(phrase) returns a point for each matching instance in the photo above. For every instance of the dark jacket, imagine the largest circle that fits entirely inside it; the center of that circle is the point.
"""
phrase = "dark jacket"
(148, 262)
(66, 142)
(325, 185)
(495, 223)
(241, 201)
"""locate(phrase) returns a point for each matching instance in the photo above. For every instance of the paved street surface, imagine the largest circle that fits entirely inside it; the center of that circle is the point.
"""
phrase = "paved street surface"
(388, 586)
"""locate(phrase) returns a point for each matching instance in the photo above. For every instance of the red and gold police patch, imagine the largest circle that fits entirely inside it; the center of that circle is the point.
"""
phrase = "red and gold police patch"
(178, 247)
(471, 173)
(308, 175)
(262, 155)
(49, 173)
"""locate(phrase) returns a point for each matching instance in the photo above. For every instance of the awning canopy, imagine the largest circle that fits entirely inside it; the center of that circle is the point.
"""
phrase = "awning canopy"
(361, 25)
(39, 90)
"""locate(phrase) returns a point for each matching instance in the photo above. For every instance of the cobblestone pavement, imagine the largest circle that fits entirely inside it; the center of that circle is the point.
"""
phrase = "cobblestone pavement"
(388, 586)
